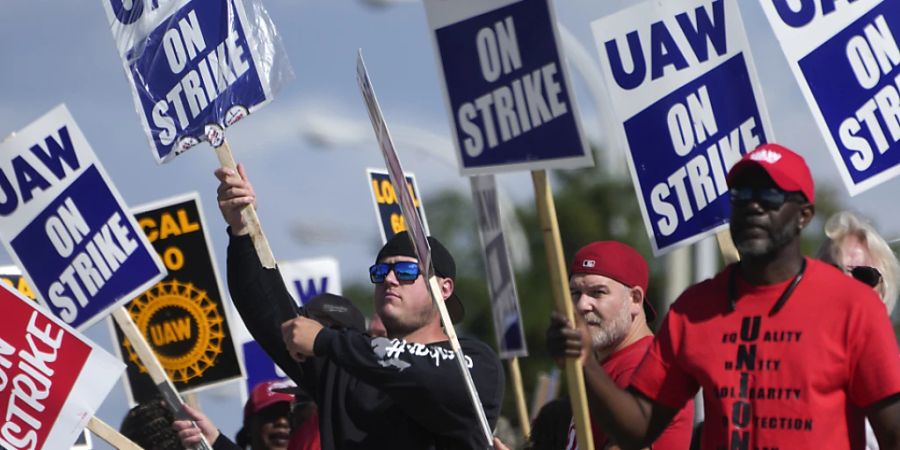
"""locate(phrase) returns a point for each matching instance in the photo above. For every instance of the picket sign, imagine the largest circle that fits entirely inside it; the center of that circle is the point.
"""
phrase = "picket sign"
(154, 368)
(537, 129)
(417, 234)
(110, 435)
(505, 307)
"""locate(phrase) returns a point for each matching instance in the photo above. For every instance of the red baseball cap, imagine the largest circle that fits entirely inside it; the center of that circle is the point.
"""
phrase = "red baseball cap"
(618, 261)
(787, 169)
(266, 394)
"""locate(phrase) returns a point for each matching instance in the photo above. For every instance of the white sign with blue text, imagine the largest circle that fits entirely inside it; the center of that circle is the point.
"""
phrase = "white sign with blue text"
(307, 278)
(66, 226)
(191, 64)
(506, 88)
(501, 278)
(846, 60)
(685, 93)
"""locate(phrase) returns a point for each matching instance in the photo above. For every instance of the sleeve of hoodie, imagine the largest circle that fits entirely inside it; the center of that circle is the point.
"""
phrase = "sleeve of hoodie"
(263, 302)
(423, 379)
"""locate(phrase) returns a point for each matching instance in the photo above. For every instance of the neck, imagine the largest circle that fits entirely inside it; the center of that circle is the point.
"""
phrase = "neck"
(636, 332)
(774, 268)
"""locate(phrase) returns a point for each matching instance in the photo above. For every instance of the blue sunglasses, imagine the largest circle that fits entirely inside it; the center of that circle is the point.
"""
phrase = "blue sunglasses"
(403, 270)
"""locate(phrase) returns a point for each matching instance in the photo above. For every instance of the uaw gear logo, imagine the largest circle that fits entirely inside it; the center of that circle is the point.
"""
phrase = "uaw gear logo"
(766, 156)
(182, 326)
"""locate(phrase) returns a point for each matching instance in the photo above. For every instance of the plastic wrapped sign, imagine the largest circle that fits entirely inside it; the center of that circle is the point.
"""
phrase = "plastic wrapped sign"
(196, 67)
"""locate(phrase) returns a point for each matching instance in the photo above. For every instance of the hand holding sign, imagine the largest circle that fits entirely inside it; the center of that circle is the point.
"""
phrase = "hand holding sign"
(234, 194)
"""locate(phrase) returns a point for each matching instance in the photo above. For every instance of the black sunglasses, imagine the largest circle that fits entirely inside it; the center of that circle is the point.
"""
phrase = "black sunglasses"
(403, 270)
(768, 198)
(870, 276)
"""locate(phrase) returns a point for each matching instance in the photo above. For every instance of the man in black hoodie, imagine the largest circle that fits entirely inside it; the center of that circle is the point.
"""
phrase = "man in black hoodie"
(399, 392)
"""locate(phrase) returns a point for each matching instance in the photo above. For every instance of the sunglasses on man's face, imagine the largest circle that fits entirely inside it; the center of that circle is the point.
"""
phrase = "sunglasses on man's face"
(768, 198)
(870, 276)
(403, 270)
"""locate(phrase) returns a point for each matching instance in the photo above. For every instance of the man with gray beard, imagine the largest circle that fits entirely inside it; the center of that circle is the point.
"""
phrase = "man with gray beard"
(608, 281)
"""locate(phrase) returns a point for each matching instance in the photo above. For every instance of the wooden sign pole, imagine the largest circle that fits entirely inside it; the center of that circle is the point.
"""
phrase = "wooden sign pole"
(563, 302)
(110, 435)
(226, 160)
(154, 368)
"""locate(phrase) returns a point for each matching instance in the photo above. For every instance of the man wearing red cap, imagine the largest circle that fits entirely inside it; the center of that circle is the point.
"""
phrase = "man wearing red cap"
(608, 281)
(790, 353)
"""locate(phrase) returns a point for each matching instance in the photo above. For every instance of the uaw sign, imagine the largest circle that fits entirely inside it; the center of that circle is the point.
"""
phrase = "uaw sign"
(387, 205)
(846, 60)
(191, 64)
(12, 276)
(66, 226)
(684, 89)
(182, 317)
(307, 278)
(501, 278)
(507, 91)
(52, 379)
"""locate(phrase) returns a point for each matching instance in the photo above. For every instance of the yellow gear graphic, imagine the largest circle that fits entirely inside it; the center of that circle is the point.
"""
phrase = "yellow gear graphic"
(206, 346)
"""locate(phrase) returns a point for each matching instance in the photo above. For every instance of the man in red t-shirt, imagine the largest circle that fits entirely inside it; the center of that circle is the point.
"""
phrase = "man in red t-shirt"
(608, 281)
(790, 353)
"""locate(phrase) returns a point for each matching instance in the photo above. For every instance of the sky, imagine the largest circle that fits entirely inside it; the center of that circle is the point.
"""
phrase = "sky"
(314, 199)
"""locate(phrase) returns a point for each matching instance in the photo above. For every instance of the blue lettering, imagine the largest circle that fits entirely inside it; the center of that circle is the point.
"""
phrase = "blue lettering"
(663, 51)
(57, 151)
(624, 79)
(28, 178)
(311, 289)
(11, 199)
(127, 14)
(706, 29)
(805, 14)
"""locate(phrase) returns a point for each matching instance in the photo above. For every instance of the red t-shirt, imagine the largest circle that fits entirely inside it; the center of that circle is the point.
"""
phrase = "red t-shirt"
(620, 366)
(795, 379)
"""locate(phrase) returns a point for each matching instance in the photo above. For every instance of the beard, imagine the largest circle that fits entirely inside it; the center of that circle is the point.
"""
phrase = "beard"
(408, 320)
(774, 241)
(605, 334)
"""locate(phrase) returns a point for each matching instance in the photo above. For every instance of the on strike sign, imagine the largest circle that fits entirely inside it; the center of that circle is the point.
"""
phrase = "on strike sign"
(52, 379)
(846, 59)
(684, 90)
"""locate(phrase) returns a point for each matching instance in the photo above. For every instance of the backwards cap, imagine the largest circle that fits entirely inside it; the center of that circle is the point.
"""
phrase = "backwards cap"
(618, 261)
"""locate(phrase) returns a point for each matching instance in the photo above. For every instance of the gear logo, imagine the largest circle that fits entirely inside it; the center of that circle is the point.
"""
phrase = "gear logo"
(182, 326)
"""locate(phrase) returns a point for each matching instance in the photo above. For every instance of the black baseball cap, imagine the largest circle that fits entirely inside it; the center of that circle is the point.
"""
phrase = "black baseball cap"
(335, 311)
(444, 266)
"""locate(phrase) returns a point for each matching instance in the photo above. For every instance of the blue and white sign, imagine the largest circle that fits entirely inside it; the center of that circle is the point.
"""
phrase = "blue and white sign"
(66, 226)
(387, 203)
(259, 366)
(684, 89)
(846, 60)
(307, 278)
(508, 92)
(192, 64)
(501, 278)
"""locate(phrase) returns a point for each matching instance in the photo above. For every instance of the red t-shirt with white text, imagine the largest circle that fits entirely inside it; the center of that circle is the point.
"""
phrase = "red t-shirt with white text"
(795, 379)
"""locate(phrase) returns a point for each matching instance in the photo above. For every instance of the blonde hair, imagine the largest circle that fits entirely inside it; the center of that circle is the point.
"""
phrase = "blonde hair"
(844, 224)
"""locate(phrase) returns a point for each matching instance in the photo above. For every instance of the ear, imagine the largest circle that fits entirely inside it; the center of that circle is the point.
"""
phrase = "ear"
(637, 298)
(807, 211)
(447, 287)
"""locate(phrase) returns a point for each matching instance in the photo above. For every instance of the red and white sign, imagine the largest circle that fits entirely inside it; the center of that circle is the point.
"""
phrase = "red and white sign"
(52, 379)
